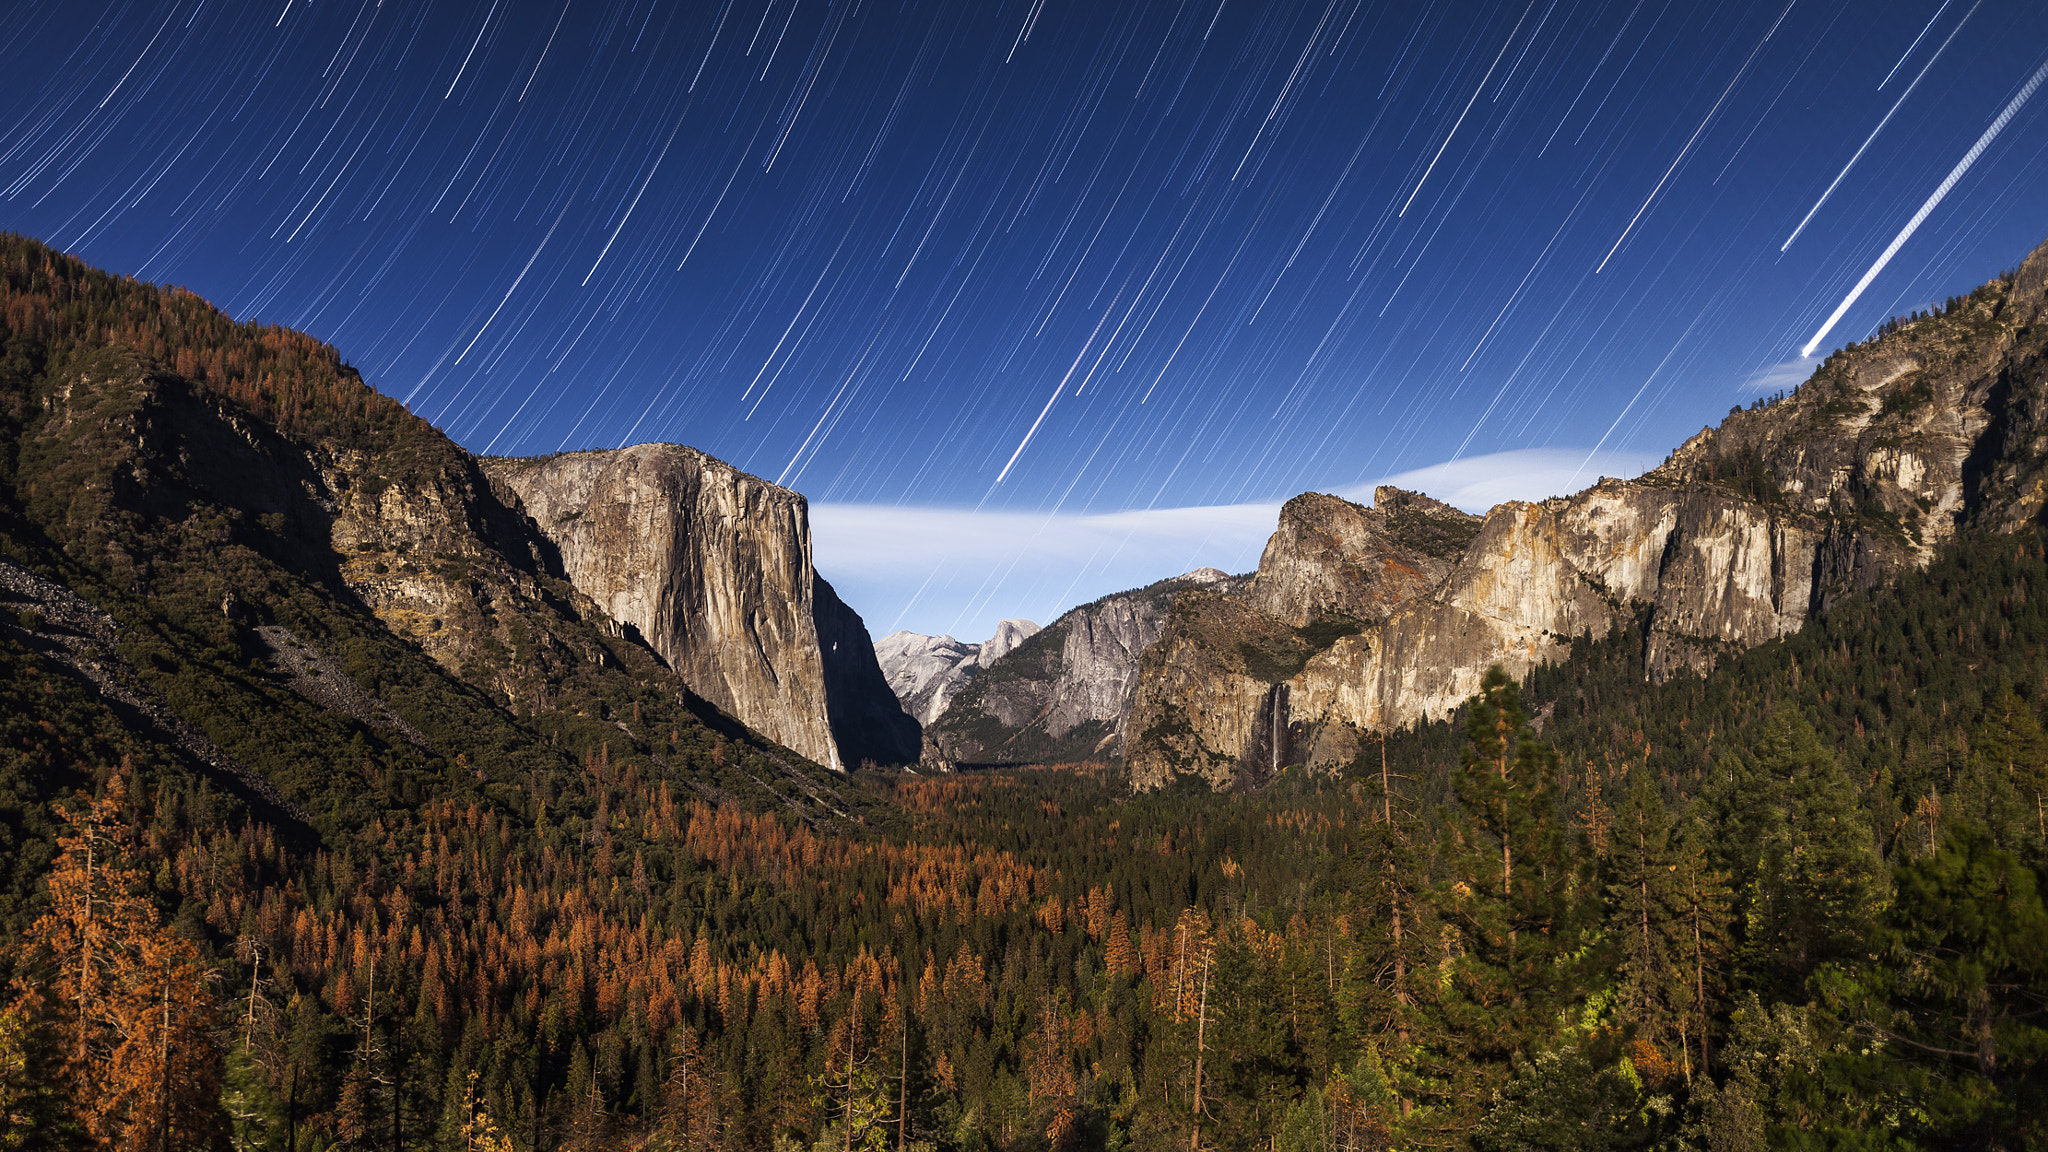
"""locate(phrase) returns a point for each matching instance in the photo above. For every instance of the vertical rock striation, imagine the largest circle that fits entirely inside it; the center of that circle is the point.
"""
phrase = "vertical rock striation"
(712, 567)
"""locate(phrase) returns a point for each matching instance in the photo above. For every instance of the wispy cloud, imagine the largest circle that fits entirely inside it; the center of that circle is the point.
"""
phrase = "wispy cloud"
(958, 571)
(1782, 377)
(1479, 482)
(951, 570)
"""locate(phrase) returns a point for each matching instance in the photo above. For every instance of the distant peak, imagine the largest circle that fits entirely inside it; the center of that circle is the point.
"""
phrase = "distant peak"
(1205, 575)
(1009, 634)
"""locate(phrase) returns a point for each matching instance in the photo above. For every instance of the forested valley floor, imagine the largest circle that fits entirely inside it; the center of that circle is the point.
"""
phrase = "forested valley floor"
(1796, 903)
(527, 895)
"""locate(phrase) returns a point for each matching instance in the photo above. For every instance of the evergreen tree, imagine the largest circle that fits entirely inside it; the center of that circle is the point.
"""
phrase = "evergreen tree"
(1794, 823)
(1646, 925)
(1388, 975)
(1521, 896)
(2009, 771)
(1705, 910)
(1957, 1030)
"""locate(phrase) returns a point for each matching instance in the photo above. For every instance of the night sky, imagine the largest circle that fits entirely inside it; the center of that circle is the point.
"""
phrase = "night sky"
(1043, 298)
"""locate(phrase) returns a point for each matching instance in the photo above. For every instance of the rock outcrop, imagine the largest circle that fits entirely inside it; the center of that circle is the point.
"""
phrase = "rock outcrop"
(1332, 558)
(229, 554)
(1210, 700)
(926, 672)
(1884, 454)
(712, 567)
(1063, 694)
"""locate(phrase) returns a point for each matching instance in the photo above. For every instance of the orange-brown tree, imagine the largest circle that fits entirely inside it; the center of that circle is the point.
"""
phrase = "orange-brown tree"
(122, 1016)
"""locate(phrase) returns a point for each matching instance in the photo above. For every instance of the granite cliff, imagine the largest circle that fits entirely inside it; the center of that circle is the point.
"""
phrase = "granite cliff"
(1064, 693)
(227, 558)
(1939, 425)
(926, 672)
(712, 568)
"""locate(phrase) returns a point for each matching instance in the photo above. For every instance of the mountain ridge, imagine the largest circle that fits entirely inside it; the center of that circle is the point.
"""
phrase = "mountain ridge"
(926, 672)
(260, 526)
(1748, 528)
(1063, 694)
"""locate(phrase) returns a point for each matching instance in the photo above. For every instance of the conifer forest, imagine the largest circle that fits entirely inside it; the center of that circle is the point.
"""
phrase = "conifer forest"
(1796, 901)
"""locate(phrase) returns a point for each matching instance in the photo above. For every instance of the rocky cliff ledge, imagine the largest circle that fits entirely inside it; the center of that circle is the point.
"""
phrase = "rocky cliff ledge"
(712, 566)
(1209, 697)
(1891, 447)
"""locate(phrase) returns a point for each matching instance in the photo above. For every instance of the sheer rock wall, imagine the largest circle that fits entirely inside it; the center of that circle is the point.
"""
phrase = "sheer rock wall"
(713, 567)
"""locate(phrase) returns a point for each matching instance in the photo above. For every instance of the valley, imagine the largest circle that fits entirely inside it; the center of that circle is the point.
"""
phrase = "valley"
(360, 792)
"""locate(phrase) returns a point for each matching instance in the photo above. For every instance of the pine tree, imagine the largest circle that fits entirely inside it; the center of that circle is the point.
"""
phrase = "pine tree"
(1705, 911)
(1522, 897)
(1959, 1028)
(34, 1111)
(477, 1131)
(2011, 751)
(1646, 923)
(1818, 878)
(1388, 974)
(687, 1115)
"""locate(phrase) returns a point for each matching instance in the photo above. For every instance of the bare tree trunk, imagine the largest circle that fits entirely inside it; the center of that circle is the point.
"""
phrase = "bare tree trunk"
(903, 1073)
(852, 1041)
(92, 843)
(398, 1084)
(163, 1131)
(1699, 983)
(255, 983)
(1201, 1040)
(1394, 894)
(1507, 858)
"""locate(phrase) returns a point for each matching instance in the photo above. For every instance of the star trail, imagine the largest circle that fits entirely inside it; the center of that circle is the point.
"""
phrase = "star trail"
(1045, 257)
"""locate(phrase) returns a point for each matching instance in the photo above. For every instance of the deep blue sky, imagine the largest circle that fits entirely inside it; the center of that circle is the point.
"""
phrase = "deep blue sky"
(1212, 253)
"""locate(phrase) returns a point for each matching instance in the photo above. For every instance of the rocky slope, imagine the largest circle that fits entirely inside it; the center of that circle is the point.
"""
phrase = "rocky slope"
(1063, 694)
(301, 592)
(712, 567)
(926, 672)
(1892, 447)
(1330, 558)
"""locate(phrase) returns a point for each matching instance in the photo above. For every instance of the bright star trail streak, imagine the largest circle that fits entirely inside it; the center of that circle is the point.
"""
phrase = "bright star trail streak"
(1872, 138)
(1037, 265)
(2019, 101)
(1692, 140)
(1915, 44)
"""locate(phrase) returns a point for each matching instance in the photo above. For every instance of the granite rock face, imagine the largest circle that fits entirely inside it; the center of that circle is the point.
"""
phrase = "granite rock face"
(403, 519)
(712, 567)
(1885, 453)
(1331, 569)
(164, 475)
(926, 672)
(1332, 558)
(1064, 693)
